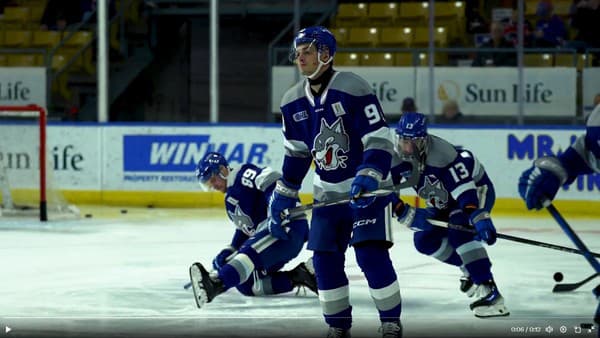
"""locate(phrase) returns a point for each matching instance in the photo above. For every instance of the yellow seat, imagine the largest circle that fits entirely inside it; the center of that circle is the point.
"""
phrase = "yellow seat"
(1, 37)
(454, 9)
(3, 60)
(349, 14)
(415, 12)
(396, 36)
(17, 38)
(23, 60)
(341, 35)
(377, 59)
(421, 36)
(530, 7)
(361, 36)
(75, 43)
(78, 39)
(46, 39)
(383, 13)
(16, 17)
(404, 59)
(36, 14)
(566, 60)
(346, 59)
(441, 59)
(538, 60)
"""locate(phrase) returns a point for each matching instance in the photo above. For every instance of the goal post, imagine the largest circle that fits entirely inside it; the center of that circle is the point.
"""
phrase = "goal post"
(27, 112)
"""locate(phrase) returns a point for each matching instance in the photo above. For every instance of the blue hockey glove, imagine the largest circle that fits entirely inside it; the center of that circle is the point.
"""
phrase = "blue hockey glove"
(279, 231)
(366, 180)
(483, 224)
(221, 259)
(284, 197)
(414, 218)
(541, 182)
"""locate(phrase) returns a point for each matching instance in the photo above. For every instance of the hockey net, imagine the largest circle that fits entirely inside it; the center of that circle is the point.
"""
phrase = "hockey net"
(27, 184)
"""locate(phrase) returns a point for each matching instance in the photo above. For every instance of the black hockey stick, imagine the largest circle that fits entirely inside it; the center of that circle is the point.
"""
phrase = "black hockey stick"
(564, 287)
(440, 224)
(410, 182)
(573, 236)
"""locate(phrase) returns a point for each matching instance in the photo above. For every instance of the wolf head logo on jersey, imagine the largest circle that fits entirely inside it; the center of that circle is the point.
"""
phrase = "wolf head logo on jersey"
(434, 193)
(242, 221)
(330, 144)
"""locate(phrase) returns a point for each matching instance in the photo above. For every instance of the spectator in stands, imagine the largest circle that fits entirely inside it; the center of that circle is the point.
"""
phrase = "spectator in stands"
(585, 19)
(476, 23)
(496, 58)
(408, 105)
(450, 113)
(510, 28)
(59, 14)
(550, 30)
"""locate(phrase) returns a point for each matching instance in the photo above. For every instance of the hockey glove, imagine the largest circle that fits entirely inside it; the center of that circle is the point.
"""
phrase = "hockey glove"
(482, 222)
(414, 218)
(284, 197)
(366, 180)
(221, 259)
(541, 181)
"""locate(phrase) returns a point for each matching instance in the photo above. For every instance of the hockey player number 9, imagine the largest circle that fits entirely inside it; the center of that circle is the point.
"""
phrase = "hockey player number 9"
(372, 113)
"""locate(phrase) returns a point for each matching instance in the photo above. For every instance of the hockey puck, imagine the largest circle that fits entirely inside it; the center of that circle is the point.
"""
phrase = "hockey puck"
(558, 276)
(123, 211)
(88, 215)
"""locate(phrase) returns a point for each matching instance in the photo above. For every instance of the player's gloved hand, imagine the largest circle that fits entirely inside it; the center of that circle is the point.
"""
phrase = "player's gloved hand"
(285, 196)
(366, 180)
(483, 224)
(458, 217)
(279, 231)
(413, 218)
(221, 259)
(541, 182)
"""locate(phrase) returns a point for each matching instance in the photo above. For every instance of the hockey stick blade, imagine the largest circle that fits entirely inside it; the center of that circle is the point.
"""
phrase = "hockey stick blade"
(573, 286)
(440, 224)
(410, 182)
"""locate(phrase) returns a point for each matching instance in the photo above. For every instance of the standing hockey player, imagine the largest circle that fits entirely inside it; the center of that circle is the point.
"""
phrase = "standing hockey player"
(541, 182)
(457, 190)
(252, 261)
(335, 119)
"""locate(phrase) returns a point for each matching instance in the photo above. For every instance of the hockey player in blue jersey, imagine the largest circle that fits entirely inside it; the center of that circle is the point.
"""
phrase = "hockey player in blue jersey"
(542, 181)
(252, 261)
(457, 190)
(334, 119)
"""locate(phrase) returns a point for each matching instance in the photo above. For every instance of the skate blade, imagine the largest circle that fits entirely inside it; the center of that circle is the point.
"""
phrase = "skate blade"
(196, 280)
(496, 310)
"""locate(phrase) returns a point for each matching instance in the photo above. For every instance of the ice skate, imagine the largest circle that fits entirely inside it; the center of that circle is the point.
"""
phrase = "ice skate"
(467, 286)
(303, 275)
(205, 287)
(391, 329)
(336, 332)
(491, 303)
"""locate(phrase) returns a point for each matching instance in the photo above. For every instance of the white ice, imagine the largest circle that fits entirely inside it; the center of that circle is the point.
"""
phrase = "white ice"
(122, 274)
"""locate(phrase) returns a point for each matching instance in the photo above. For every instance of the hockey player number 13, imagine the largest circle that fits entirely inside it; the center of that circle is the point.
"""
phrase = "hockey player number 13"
(372, 113)
(459, 171)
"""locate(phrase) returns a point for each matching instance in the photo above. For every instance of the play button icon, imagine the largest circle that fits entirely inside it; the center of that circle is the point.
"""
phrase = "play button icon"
(7, 329)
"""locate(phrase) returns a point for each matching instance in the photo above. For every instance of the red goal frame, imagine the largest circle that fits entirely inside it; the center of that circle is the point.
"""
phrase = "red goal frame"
(38, 112)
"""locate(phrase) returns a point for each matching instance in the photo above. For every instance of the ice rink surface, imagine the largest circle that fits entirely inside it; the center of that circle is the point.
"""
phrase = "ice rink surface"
(120, 274)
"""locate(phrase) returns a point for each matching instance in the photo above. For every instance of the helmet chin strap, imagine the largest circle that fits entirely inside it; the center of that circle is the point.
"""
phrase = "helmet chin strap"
(321, 64)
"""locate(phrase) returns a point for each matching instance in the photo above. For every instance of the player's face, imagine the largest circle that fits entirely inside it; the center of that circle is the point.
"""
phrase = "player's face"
(216, 181)
(307, 59)
(411, 147)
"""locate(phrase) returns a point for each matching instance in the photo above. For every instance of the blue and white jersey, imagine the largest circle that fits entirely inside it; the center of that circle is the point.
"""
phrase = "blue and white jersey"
(583, 157)
(452, 178)
(247, 197)
(340, 130)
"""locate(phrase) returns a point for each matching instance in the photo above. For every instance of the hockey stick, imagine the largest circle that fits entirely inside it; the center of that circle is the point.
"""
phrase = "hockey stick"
(573, 236)
(230, 257)
(573, 286)
(440, 224)
(410, 182)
